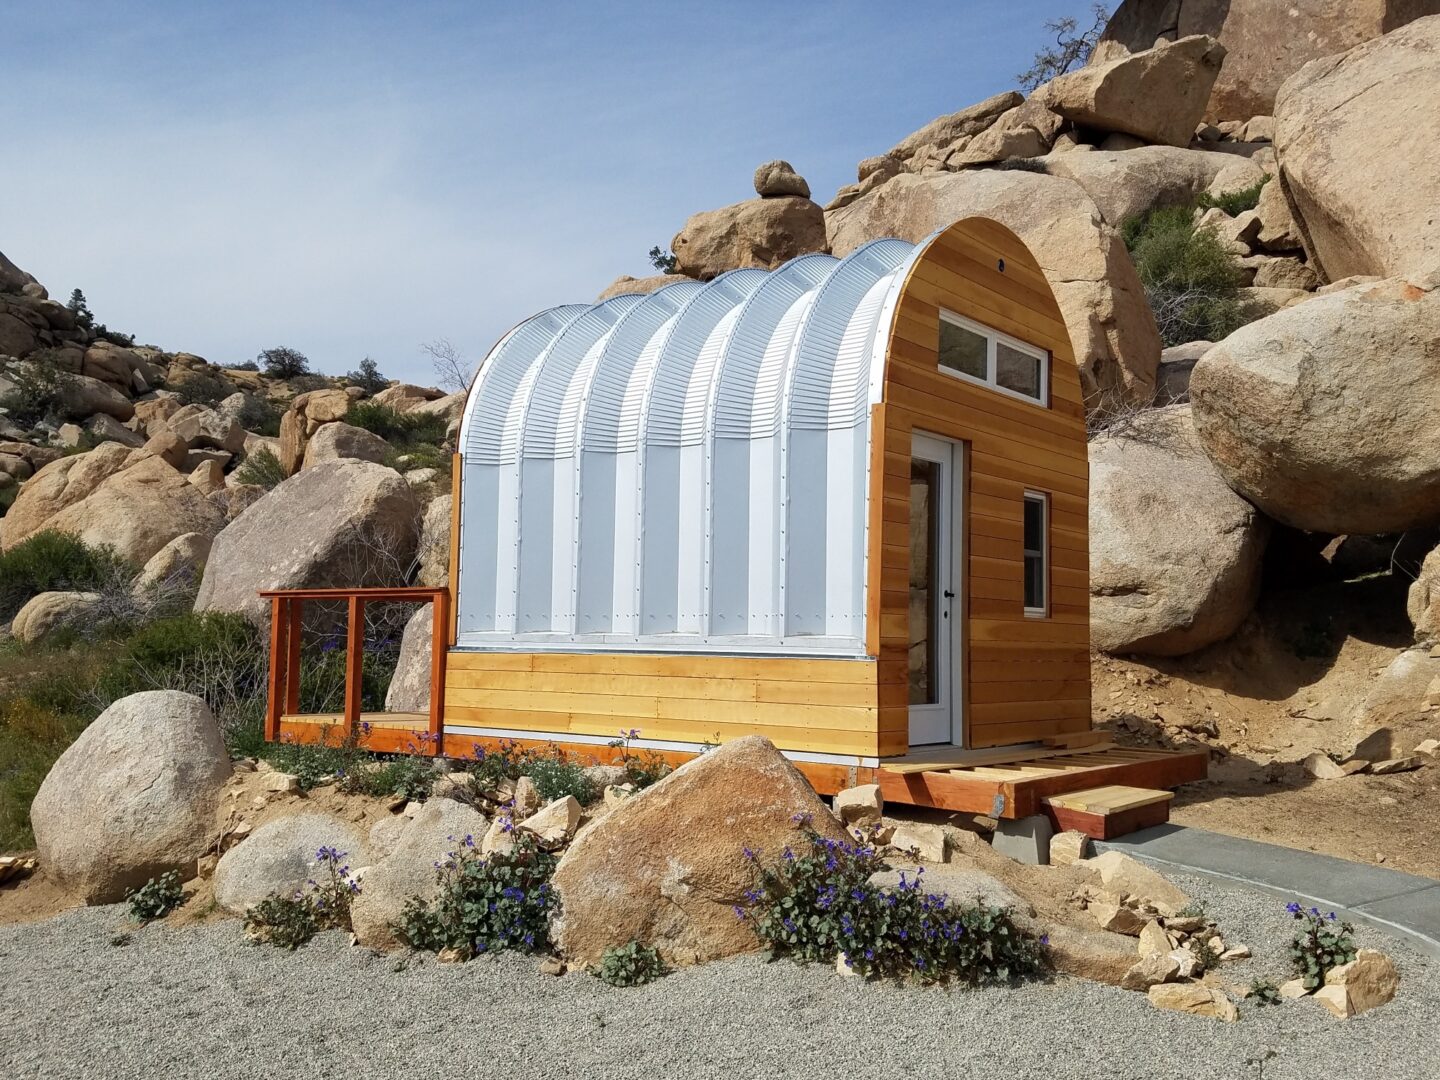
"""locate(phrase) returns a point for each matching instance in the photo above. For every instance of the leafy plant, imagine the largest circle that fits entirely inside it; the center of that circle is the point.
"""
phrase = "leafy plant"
(643, 769)
(85, 319)
(634, 964)
(1191, 282)
(1235, 202)
(259, 416)
(664, 261)
(368, 377)
(156, 898)
(1206, 955)
(290, 922)
(262, 467)
(1021, 164)
(51, 561)
(554, 774)
(820, 903)
(486, 903)
(39, 391)
(1071, 49)
(396, 427)
(202, 388)
(1323, 943)
(283, 362)
(1264, 992)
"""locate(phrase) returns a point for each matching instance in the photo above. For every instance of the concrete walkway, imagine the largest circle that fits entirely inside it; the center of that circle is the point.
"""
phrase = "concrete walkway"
(1387, 899)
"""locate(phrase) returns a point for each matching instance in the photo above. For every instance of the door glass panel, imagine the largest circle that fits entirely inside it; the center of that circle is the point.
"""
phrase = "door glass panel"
(1017, 371)
(963, 350)
(924, 532)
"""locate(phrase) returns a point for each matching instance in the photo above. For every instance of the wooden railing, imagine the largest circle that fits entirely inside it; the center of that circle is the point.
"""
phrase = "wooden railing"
(286, 613)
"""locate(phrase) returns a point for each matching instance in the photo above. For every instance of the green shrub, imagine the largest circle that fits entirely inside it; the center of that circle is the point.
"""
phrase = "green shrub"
(1236, 202)
(820, 904)
(554, 773)
(52, 561)
(290, 921)
(262, 467)
(1191, 281)
(202, 388)
(156, 898)
(664, 261)
(396, 427)
(486, 903)
(368, 377)
(634, 964)
(643, 769)
(1323, 943)
(39, 391)
(259, 416)
(1034, 165)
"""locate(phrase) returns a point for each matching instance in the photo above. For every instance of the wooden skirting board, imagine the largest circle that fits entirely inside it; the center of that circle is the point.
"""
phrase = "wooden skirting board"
(1110, 811)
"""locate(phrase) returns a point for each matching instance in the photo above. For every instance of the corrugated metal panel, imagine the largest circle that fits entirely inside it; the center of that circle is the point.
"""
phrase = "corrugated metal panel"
(650, 463)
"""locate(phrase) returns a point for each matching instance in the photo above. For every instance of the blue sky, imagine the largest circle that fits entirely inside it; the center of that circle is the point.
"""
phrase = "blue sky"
(353, 179)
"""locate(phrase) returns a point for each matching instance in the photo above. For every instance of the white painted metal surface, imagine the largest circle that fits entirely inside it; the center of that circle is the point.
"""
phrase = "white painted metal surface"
(685, 470)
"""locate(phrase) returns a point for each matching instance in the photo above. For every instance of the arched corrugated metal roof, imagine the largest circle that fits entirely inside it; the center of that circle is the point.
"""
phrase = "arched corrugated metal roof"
(686, 469)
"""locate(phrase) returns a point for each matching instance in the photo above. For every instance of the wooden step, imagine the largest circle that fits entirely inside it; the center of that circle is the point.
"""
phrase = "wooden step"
(1104, 813)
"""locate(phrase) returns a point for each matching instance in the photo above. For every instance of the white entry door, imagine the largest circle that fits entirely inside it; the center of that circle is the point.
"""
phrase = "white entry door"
(935, 576)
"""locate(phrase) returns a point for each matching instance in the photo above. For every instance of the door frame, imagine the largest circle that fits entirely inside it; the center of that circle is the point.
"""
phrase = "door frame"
(949, 454)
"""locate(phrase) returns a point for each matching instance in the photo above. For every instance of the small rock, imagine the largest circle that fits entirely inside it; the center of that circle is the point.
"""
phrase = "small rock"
(556, 823)
(1186, 962)
(552, 965)
(205, 865)
(602, 776)
(1336, 998)
(396, 803)
(860, 805)
(282, 783)
(527, 798)
(1322, 767)
(776, 178)
(1293, 989)
(843, 968)
(1187, 924)
(451, 956)
(1154, 939)
(1150, 971)
(925, 841)
(1117, 918)
(1395, 765)
(1430, 747)
(1122, 874)
(1068, 848)
(1236, 952)
(1194, 999)
(1369, 980)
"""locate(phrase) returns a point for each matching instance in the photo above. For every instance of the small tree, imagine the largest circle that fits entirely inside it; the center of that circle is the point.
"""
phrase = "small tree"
(77, 306)
(1071, 49)
(283, 363)
(452, 372)
(368, 377)
(662, 260)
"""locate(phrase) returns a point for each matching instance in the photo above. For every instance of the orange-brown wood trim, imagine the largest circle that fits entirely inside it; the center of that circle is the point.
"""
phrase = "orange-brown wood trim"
(453, 569)
(354, 661)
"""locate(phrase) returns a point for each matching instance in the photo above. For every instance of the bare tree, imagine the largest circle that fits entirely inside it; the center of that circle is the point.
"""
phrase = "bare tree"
(1071, 49)
(452, 370)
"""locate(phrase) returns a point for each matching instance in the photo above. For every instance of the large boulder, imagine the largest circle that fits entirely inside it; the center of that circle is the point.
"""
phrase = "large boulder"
(402, 397)
(341, 441)
(343, 524)
(280, 857)
(1175, 554)
(1422, 603)
(129, 500)
(777, 178)
(625, 285)
(133, 797)
(409, 689)
(1128, 183)
(944, 130)
(1355, 135)
(48, 612)
(757, 232)
(205, 428)
(435, 542)
(177, 565)
(1099, 293)
(1025, 131)
(1324, 415)
(667, 866)
(1158, 95)
(408, 869)
(1266, 42)
(80, 396)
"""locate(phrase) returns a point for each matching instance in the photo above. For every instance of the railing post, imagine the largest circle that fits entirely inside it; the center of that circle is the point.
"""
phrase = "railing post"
(279, 655)
(354, 664)
(295, 608)
(439, 649)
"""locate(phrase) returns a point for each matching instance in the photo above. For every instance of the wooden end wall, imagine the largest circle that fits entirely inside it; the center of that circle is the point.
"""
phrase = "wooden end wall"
(1026, 678)
(826, 706)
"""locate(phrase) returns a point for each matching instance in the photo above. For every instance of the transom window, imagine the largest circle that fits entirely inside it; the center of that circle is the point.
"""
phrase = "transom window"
(1037, 547)
(981, 354)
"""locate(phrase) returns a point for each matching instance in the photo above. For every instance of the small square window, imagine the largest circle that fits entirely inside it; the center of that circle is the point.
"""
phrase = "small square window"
(1036, 552)
(1017, 371)
(963, 350)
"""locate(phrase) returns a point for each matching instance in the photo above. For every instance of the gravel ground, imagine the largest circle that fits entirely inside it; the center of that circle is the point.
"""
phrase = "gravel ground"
(196, 1001)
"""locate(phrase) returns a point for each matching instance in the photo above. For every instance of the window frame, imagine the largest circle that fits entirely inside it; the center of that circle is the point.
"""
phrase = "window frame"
(1043, 554)
(993, 338)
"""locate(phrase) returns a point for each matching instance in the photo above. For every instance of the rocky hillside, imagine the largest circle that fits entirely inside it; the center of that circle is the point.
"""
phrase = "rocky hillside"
(1257, 177)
